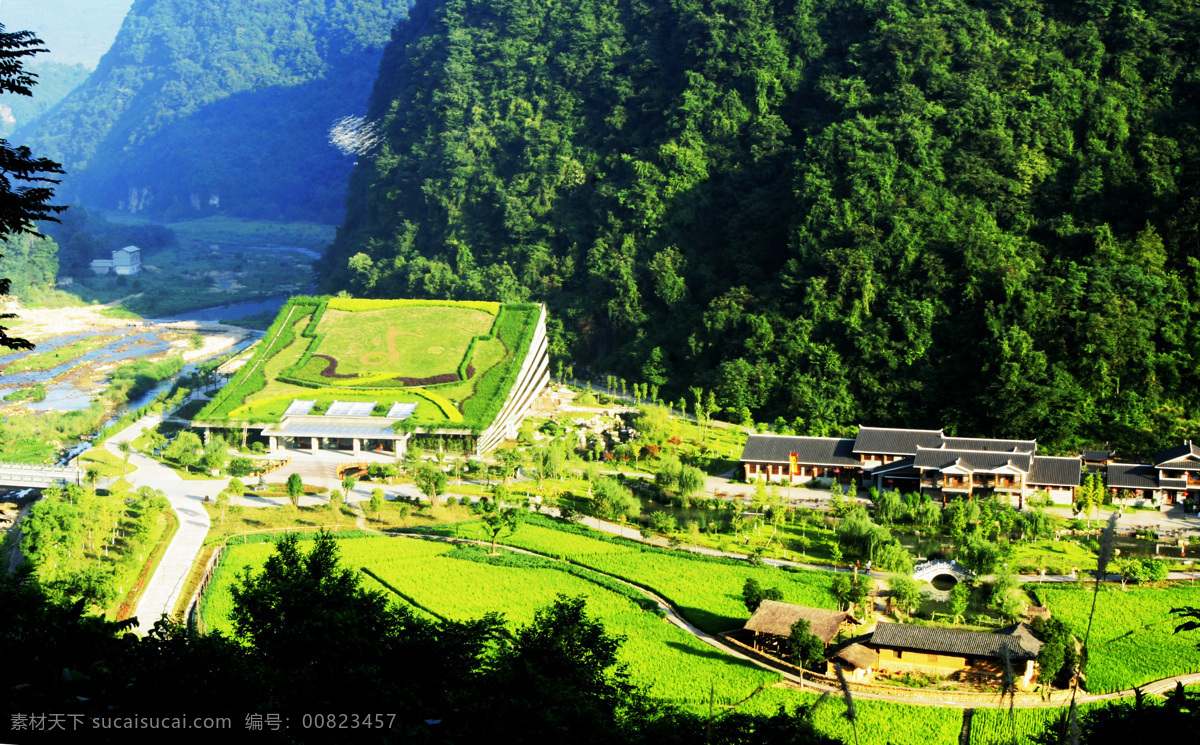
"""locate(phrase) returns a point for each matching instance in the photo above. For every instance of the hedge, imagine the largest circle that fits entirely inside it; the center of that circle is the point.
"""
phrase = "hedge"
(355, 304)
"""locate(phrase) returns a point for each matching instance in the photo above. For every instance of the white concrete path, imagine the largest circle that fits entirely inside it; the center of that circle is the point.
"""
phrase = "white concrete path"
(186, 498)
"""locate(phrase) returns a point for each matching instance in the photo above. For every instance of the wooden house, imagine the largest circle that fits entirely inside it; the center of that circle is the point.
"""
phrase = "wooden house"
(934, 650)
(773, 620)
(858, 662)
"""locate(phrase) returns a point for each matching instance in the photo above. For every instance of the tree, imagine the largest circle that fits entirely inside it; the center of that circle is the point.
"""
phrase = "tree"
(572, 661)
(497, 518)
(335, 505)
(222, 505)
(691, 481)
(184, 449)
(376, 503)
(753, 594)
(295, 489)
(611, 498)
(850, 591)
(27, 202)
(804, 647)
(348, 483)
(1128, 567)
(905, 593)
(304, 612)
(126, 450)
(960, 597)
(431, 480)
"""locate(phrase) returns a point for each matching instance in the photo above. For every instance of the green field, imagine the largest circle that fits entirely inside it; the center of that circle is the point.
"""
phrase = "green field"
(879, 722)
(456, 360)
(1133, 640)
(664, 659)
(708, 592)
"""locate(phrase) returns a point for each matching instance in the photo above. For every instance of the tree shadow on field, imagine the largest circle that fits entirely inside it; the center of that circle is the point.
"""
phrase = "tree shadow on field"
(710, 652)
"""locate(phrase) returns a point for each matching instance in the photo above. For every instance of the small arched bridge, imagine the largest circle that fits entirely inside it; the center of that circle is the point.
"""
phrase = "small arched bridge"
(39, 476)
(926, 571)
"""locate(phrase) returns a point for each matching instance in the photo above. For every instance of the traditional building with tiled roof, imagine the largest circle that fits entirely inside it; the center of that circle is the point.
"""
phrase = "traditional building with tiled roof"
(942, 651)
(799, 459)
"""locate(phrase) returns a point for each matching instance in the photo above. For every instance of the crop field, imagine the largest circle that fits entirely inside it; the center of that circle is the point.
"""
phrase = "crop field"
(668, 661)
(707, 592)
(1133, 640)
(879, 722)
(456, 360)
(993, 726)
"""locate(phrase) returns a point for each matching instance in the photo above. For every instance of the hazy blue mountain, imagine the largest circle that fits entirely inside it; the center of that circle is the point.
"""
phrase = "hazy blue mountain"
(75, 31)
(221, 105)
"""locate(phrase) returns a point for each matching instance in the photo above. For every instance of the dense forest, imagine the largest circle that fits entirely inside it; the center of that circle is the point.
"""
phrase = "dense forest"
(207, 105)
(980, 215)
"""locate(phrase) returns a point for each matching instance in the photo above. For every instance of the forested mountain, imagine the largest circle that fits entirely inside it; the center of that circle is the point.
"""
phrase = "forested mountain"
(979, 214)
(205, 105)
(54, 81)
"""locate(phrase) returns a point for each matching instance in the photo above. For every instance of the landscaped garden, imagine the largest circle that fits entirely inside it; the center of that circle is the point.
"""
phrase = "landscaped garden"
(456, 361)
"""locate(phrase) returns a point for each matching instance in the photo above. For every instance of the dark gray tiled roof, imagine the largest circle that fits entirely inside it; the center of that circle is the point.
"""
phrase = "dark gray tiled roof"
(1177, 453)
(1183, 464)
(1132, 476)
(1052, 471)
(980, 443)
(949, 641)
(816, 451)
(974, 460)
(888, 441)
(1098, 454)
(899, 469)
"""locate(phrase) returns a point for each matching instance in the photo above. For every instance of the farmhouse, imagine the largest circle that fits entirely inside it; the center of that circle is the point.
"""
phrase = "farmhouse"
(939, 651)
(772, 623)
(124, 261)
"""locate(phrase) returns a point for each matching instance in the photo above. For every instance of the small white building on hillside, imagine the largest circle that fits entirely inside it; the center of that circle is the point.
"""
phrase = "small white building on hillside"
(124, 261)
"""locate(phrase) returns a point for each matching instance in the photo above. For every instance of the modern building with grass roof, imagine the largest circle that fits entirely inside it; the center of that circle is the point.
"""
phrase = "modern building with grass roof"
(367, 375)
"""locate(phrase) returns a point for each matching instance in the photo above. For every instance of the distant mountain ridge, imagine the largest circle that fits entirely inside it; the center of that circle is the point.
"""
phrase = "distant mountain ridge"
(220, 105)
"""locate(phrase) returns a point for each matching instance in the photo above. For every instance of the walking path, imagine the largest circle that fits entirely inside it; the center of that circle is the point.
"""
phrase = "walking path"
(186, 498)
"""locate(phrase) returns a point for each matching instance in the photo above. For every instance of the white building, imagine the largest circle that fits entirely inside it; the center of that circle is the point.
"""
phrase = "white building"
(124, 261)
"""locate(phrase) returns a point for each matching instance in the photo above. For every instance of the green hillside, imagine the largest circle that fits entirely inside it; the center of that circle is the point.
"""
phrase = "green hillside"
(981, 215)
(206, 106)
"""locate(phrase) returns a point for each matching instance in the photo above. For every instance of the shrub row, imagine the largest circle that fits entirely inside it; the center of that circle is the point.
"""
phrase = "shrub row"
(355, 304)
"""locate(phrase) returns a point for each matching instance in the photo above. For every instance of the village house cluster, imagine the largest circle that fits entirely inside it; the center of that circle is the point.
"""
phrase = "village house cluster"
(944, 467)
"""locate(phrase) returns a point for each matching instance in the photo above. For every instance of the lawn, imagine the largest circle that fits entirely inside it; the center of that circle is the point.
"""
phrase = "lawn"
(460, 584)
(706, 591)
(407, 342)
(1133, 640)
